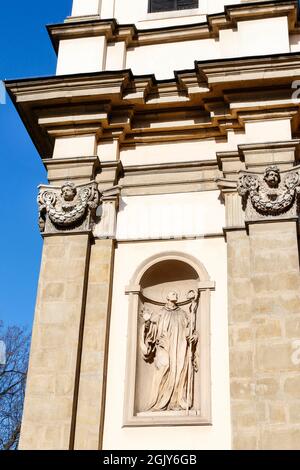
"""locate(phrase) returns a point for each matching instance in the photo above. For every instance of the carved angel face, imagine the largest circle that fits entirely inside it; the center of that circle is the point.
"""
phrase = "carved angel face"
(68, 192)
(272, 177)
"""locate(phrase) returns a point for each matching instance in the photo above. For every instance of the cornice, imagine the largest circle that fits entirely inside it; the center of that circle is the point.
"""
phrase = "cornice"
(171, 166)
(204, 102)
(167, 178)
(258, 154)
(133, 37)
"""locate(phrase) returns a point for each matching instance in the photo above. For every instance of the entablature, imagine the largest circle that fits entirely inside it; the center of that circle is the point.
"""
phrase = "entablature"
(208, 101)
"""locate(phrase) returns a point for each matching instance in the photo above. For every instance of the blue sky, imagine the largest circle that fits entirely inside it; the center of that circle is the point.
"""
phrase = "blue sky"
(26, 51)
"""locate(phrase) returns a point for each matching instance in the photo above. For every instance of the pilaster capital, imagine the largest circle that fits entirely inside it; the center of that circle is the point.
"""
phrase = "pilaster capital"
(109, 174)
(233, 206)
(284, 154)
(107, 214)
(67, 208)
(76, 169)
(272, 194)
(226, 186)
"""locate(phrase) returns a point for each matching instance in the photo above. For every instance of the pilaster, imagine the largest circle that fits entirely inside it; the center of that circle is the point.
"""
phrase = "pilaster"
(264, 299)
(65, 395)
(92, 381)
(48, 418)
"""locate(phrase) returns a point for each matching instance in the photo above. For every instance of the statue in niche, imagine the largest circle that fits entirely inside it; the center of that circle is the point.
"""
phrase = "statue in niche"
(169, 340)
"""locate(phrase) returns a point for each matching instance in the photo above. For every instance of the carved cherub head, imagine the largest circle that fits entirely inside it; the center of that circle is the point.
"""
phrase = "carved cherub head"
(68, 191)
(272, 176)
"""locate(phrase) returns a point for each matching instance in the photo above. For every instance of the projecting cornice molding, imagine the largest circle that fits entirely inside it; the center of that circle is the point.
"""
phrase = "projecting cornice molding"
(257, 155)
(168, 178)
(204, 102)
(134, 37)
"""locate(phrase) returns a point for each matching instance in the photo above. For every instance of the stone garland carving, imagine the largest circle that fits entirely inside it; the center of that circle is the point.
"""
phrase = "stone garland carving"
(68, 207)
(169, 341)
(271, 194)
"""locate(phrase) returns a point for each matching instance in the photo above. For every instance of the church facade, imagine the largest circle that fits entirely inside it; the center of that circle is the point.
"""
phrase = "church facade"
(168, 305)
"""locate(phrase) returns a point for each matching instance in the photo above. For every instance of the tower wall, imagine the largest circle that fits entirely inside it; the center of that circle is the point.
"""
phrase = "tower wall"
(158, 134)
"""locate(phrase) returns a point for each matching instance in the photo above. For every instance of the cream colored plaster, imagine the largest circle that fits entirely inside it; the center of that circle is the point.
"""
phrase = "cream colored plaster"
(81, 55)
(108, 150)
(116, 56)
(86, 7)
(77, 146)
(170, 215)
(164, 59)
(171, 152)
(270, 130)
(108, 8)
(268, 36)
(137, 11)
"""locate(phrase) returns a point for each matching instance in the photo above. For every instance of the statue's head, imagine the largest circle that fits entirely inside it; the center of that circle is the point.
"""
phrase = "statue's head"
(272, 176)
(68, 191)
(172, 297)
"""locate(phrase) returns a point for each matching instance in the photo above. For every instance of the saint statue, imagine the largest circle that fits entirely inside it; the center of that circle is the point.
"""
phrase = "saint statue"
(169, 341)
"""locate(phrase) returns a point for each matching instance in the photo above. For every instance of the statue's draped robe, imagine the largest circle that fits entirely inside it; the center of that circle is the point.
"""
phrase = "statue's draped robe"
(164, 341)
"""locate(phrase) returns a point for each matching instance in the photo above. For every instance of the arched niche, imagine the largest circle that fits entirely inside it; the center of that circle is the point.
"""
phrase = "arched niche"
(168, 353)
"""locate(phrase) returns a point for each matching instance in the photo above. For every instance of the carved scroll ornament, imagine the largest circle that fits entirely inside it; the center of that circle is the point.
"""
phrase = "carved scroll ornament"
(68, 207)
(271, 194)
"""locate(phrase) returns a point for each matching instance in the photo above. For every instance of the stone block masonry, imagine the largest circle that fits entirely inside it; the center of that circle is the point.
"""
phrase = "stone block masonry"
(264, 335)
(48, 419)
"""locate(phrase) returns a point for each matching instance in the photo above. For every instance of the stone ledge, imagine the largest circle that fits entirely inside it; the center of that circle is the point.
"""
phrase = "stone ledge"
(113, 31)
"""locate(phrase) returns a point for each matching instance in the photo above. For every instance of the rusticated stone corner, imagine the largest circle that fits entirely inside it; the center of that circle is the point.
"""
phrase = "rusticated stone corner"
(68, 208)
(271, 194)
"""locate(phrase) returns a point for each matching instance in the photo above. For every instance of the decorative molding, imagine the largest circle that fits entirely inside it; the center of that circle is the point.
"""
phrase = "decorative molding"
(271, 194)
(167, 178)
(201, 103)
(233, 207)
(257, 156)
(109, 175)
(133, 37)
(107, 225)
(67, 208)
(80, 169)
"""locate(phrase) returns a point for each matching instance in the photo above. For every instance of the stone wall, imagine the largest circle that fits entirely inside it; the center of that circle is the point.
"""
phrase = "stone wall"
(48, 418)
(65, 392)
(92, 384)
(264, 309)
